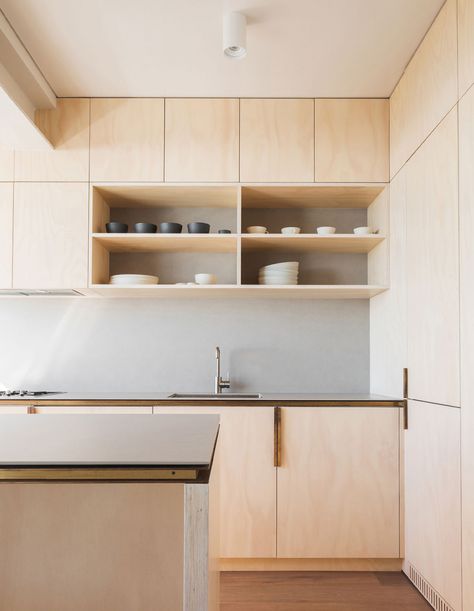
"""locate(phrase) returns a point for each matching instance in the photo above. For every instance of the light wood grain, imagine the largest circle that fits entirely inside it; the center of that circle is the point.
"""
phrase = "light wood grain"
(428, 89)
(465, 45)
(196, 547)
(338, 485)
(311, 564)
(13, 409)
(388, 342)
(433, 267)
(202, 140)
(167, 242)
(91, 547)
(276, 140)
(67, 127)
(127, 139)
(50, 235)
(466, 217)
(90, 409)
(433, 497)
(351, 140)
(6, 234)
(306, 196)
(348, 243)
(7, 172)
(378, 217)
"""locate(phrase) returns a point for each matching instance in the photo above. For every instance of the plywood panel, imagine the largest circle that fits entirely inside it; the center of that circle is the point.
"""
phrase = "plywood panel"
(50, 235)
(202, 140)
(346, 243)
(428, 89)
(465, 44)
(433, 267)
(67, 127)
(351, 140)
(91, 409)
(433, 497)
(338, 484)
(276, 140)
(6, 234)
(127, 139)
(6, 165)
(466, 217)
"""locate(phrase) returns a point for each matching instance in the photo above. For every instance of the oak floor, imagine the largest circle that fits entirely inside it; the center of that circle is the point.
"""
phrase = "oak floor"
(319, 591)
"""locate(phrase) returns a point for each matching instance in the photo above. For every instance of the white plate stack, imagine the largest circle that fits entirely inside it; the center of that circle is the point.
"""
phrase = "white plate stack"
(133, 279)
(279, 273)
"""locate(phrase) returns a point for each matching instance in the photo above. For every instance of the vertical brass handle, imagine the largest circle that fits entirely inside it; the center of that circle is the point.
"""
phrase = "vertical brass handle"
(277, 437)
(30, 409)
(405, 398)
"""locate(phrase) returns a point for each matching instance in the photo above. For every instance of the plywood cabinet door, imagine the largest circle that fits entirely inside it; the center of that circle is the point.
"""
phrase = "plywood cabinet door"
(433, 267)
(338, 484)
(6, 234)
(247, 479)
(202, 140)
(276, 140)
(465, 44)
(127, 139)
(351, 140)
(50, 235)
(91, 409)
(6, 165)
(433, 498)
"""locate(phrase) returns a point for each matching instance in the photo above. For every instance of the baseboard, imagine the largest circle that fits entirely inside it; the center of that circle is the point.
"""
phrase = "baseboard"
(426, 589)
(310, 564)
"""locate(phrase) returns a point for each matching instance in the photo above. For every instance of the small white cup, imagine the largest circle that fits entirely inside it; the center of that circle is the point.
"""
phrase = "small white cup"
(291, 230)
(363, 230)
(326, 230)
(205, 278)
(256, 229)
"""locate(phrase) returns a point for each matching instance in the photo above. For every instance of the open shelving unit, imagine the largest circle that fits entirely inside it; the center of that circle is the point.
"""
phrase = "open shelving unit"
(338, 266)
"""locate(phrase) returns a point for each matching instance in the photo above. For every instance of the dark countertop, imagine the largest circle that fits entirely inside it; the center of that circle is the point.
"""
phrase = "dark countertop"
(157, 398)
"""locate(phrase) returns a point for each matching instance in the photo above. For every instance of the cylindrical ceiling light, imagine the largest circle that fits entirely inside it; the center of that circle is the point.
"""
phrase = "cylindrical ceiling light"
(235, 35)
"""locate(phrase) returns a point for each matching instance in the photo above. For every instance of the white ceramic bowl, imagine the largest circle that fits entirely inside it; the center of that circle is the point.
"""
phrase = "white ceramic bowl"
(133, 279)
(291, 230)
(278, 274)
(325, 230)
(287, 265)
(205, 278)
(363, 230)
(256, 229)
(278, 281)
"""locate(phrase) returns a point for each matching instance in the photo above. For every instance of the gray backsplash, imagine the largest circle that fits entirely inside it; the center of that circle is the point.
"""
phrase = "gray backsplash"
(162, 345)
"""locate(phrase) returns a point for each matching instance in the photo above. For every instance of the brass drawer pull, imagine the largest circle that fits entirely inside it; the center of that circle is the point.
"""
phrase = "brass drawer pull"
(277, 437)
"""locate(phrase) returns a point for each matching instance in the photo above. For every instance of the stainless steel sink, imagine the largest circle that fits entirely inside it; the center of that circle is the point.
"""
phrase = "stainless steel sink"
(224, 395)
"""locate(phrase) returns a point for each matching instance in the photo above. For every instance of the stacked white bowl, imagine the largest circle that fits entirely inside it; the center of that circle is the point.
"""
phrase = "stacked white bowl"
(279, 273)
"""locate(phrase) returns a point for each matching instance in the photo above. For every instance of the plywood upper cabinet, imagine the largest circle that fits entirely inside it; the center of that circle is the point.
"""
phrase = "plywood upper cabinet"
(351, 141)
(338, 484)
(465, 44)
(433, 497)
(433, 267)
(50, 235)
(6, 234)
(67, 127)
(127, 139)
(6, 166)
(202, 140)
(276, 140)
(428, 89)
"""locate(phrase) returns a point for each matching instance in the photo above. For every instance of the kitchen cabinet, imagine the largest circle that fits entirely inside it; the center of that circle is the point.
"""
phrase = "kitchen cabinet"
(50, 235)
(433, 499)
(465, 44)
(338, 483)
(202, 140)
(67, 128)
(351, 140)
(427, 90)
(276, 140)
(90, 409)
(6, 234)
(6, 165)
(127, 139)
(13, 409)
(433, 267)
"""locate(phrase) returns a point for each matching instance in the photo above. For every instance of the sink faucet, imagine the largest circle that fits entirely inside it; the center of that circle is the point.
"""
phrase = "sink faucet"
(220, 382)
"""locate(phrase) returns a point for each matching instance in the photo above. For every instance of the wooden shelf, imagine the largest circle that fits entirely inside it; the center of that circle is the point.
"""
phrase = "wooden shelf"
(355, 291)
(167, 242)
(343, 243)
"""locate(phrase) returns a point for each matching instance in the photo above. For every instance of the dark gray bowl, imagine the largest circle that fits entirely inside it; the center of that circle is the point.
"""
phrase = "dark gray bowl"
(224, 231)
(116, 227)
(198, 227)
(170, 227)
(145, 228)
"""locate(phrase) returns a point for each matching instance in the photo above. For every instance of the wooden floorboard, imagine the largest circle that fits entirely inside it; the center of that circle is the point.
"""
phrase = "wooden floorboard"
(319, 591)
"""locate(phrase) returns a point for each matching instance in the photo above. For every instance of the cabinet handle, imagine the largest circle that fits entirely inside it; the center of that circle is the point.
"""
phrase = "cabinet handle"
(405, 398)
(277, 437)
(31, 409)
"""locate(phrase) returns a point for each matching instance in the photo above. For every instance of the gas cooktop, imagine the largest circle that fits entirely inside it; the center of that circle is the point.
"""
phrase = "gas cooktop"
(28, 393)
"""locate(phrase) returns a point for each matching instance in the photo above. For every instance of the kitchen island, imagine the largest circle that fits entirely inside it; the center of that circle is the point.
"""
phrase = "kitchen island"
(108, 514)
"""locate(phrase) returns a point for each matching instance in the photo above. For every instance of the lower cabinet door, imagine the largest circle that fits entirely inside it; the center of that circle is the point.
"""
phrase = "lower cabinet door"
(91, 409)
(247, 479)
(338, 483)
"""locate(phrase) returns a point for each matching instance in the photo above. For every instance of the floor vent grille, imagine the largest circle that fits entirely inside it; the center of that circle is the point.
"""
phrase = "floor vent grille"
(427, 590)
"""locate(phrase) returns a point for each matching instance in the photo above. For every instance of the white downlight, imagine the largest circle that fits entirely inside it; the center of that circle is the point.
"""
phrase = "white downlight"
(235, 35)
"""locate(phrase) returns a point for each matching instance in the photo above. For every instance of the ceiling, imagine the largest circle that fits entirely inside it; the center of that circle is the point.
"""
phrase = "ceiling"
(296, 48)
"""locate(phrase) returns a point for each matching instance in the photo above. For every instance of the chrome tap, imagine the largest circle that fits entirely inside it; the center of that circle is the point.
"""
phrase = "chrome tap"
(220, 383)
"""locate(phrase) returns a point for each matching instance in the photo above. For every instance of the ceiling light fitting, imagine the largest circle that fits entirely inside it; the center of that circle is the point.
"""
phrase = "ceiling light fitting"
(234, 35)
